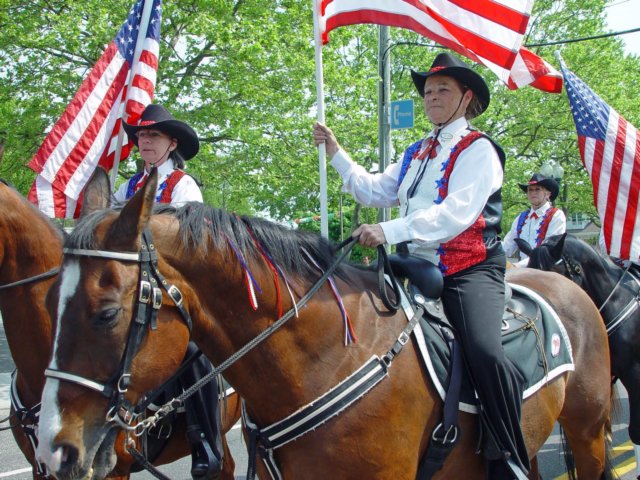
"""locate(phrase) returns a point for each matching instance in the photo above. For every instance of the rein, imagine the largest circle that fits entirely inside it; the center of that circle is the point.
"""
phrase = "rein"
(629, 307)
(615, 287)
(36, 278)
(176, 402)
(384, 267)
(575, 271)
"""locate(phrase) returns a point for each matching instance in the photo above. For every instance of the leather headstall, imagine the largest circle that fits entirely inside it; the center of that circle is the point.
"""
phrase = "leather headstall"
(149, 302)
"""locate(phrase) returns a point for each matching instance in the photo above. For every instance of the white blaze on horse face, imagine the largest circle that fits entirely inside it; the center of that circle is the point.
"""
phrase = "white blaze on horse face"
(50, 421)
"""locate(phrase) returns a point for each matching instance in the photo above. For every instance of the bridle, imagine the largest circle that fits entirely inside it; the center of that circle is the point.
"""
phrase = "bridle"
(149, 301)
(574, 270)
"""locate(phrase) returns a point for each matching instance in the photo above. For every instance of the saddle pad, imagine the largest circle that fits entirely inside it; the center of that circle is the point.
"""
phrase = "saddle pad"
(535, 341)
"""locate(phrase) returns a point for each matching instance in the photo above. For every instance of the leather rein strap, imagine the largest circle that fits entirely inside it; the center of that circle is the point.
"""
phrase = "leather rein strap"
(36, 278)
(176, 402)
(384, 267)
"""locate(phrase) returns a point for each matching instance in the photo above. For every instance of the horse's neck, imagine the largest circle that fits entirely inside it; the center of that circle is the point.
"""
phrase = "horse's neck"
(25, 319)
(28, 330)
(308, 355)
(602, 282)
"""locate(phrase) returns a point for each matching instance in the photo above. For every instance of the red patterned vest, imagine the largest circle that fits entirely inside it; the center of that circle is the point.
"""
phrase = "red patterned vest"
(480, 241)
(171, 182)
(165, 188)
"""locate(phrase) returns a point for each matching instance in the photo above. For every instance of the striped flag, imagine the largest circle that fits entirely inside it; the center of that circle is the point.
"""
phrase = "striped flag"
(489, 32)
(610, 151)
(121, 83)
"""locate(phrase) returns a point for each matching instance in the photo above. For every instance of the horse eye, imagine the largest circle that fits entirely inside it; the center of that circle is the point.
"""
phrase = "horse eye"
(107, 317)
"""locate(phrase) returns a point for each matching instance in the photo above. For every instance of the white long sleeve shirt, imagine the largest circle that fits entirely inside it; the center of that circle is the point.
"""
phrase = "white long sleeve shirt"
(477, 174)
(557, 226)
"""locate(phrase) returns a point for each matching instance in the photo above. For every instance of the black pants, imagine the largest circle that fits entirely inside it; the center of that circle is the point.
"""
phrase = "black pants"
(473, 300)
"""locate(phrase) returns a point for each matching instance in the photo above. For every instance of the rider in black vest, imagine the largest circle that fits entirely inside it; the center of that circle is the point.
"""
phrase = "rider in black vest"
(448, 189)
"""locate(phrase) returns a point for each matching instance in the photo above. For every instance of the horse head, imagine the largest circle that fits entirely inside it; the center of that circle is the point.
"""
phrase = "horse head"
(566, 255)
(545, 256)
(100, 362)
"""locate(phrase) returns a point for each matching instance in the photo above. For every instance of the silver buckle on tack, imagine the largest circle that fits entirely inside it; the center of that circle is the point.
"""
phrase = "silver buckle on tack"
(450, 436)
(145, 292)
(175, 294)
(157, 298)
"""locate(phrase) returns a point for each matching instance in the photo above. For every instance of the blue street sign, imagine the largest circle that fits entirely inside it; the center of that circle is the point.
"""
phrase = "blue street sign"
(401, 114)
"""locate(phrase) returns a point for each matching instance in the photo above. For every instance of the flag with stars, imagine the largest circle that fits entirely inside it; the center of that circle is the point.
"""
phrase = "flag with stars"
(119, 86)
(610, 151)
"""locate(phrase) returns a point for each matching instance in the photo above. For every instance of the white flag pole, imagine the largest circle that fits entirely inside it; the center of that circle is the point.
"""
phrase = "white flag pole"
(142, 33)
(322, 151)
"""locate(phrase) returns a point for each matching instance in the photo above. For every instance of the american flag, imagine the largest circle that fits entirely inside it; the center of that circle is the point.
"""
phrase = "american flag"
(610, 151)
(86, 134)
(489, 32)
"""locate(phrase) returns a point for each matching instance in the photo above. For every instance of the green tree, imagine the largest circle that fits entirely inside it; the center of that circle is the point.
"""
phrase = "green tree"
(242, 73)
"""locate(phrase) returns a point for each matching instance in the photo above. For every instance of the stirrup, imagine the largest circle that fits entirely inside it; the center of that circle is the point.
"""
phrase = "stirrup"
(205, 465)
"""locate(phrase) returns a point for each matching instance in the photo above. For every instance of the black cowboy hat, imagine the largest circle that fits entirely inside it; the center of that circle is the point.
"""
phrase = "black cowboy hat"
(546, 182)
(157, 117)
(447, 64)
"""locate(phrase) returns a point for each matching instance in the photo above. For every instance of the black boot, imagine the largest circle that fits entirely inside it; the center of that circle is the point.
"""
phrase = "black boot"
(203, 421)
(204, 463)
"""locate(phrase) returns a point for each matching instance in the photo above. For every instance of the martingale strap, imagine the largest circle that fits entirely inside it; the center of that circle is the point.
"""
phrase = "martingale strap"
(28, 418)
(264, 441)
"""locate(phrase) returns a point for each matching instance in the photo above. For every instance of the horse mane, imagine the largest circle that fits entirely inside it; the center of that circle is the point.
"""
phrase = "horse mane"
(251, 237)
(202, 227)
(584, 253)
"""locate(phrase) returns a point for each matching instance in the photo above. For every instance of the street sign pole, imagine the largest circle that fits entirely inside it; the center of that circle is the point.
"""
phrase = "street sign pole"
(384, 95)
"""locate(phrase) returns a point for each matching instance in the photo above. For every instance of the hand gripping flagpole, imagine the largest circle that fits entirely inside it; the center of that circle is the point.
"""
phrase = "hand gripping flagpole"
(322, 151)
(142, 33)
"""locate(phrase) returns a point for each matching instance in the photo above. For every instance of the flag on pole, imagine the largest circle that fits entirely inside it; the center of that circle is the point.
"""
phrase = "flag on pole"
(610, 151)
(120, 85)
(489, 32)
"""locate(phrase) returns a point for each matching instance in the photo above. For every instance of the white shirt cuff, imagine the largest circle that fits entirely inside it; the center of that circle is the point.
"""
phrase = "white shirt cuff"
(395, 231)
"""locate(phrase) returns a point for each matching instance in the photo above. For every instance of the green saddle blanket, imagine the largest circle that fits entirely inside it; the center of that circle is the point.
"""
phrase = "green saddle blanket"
(533, 338)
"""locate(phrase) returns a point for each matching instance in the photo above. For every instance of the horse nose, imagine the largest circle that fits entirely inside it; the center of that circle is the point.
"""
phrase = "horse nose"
(63, 462)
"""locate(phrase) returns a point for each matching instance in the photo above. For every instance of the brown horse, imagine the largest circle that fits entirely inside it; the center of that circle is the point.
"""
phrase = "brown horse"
(30, 253)
(232, 275)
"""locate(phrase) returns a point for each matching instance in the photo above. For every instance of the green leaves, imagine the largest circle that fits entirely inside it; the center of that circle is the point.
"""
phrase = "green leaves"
(243, 75)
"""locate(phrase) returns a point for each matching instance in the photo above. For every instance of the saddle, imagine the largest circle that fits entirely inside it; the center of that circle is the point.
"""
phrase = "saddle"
(532, 335)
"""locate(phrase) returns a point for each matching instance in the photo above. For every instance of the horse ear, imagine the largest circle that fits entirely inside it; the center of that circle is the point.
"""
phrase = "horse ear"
(97, 192)
(135, 215)
(523, 246)
(557, 246)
